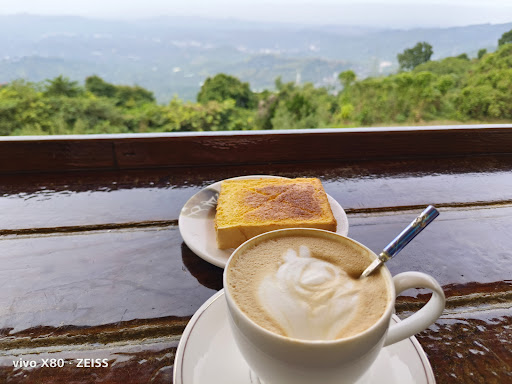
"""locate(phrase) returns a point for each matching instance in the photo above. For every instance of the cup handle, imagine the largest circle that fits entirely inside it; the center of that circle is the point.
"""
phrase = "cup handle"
(426, 316)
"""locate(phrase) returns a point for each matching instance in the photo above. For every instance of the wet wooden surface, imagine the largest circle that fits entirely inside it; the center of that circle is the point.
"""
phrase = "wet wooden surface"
(93, 265)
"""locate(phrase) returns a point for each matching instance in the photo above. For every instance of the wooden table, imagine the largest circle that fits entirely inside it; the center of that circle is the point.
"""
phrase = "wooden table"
(93, 265)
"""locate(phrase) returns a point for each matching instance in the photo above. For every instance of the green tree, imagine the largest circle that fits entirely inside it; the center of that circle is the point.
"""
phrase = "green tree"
(486, 93)
(100, 87)
(501, 59)
(449, 65)
(124, 95)
(505, 38)
(481, 53)
(23, 107)
(131, 96)
(62, 86)
(347, 78)
(212, 116)
(223, 87)
(412, 57)
(305, 106)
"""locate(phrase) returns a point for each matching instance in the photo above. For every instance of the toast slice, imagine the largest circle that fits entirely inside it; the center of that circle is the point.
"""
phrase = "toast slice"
(249, 207)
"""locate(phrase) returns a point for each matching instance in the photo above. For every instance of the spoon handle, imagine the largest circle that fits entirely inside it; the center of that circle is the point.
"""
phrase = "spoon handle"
(412, 230)
(409, 233)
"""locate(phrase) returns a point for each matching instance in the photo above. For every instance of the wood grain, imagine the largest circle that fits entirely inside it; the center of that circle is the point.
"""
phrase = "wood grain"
(108, 152)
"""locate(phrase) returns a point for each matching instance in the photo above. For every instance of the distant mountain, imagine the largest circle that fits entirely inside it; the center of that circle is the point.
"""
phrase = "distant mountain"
(173, 56)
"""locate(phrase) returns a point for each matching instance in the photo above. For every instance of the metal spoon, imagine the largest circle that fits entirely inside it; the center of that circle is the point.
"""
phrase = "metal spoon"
(409, 233)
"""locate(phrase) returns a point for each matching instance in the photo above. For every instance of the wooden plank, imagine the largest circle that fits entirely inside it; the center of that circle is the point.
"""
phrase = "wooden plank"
(328, 145)
(97, 278)
(142, 196)
(126, 296)
(474, 350)
(144, 362)
(105, 277)
(46, 155)
(462, 246)
(31, 154)
(471, 348)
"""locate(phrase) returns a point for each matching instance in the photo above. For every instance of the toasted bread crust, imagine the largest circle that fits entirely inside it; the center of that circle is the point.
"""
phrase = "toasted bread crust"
(249, 207)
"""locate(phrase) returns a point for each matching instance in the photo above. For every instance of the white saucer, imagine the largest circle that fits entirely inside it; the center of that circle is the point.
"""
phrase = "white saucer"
(207, 354)
(198, 231)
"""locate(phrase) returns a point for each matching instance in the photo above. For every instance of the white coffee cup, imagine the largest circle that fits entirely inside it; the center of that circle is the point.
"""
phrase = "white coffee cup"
(283, 360)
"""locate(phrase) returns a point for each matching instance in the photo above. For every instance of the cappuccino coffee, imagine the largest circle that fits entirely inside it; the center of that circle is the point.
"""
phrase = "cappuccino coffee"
(308, 287)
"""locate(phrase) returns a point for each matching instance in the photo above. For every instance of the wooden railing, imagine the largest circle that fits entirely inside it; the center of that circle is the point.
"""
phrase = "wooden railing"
(92, 263)
(134, 151)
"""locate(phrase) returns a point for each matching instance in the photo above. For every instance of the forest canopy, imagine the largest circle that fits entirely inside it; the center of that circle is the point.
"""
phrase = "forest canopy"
(452, 90)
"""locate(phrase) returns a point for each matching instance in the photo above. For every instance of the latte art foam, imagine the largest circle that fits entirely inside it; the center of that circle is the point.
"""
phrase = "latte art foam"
(309, 298)
(307, 287)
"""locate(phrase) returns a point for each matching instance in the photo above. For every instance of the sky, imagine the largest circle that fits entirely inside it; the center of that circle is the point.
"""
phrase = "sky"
(380, 13)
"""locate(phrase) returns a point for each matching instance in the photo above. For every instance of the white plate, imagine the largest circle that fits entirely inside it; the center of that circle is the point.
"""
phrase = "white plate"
(207, 354)
(198, 231)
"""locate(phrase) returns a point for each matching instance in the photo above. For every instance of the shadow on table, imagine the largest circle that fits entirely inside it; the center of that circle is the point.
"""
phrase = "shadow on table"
(206, 274)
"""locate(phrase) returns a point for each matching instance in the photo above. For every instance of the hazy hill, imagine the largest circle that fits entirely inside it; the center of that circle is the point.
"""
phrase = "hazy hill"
(174, 56)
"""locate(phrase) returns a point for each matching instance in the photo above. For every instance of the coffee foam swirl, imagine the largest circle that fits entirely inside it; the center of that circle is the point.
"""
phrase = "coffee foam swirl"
(308, 297)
